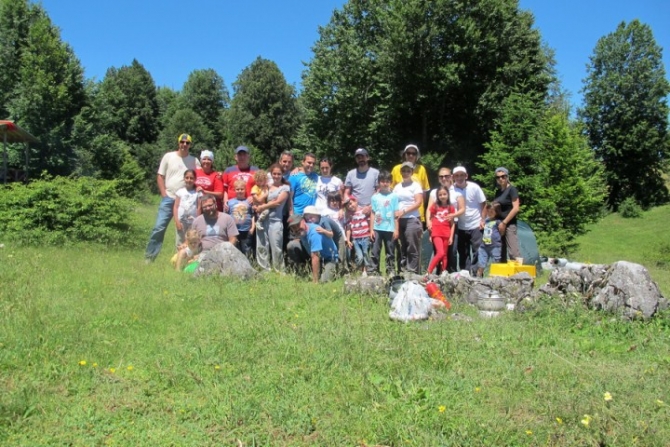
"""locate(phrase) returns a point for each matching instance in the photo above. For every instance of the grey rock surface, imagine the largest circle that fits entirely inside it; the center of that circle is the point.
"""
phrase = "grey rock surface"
(225, 259)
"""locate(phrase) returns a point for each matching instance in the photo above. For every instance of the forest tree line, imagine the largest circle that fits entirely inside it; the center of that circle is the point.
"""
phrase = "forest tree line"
(470, 83)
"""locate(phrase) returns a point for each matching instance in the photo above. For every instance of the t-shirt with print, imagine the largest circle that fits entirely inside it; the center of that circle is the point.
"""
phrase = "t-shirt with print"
(232, 174)
(406, 196)
(241, 212)
(440, 224)
(210, 183)
(188, 205)
(491, 234)
(304, 190)
(384, 207)
(214, 231)
(324, 186)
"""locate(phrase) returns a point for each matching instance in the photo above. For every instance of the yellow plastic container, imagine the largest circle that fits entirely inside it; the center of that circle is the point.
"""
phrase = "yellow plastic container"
(502, 269)
(510, 269)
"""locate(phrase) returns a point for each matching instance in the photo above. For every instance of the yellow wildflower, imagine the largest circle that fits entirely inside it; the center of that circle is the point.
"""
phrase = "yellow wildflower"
(130, 367)
(217, 367)
(477, 390)
(607, 396)
(95, 365)
(441, 408)
(586, 420)
(112, 370)
(660, 402)
(559, 420)
(529, 432)
(82, 362)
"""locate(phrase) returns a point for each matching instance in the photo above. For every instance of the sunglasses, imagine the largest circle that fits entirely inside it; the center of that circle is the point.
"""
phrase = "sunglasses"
(445, 176)
(501, 176)
(188, 143)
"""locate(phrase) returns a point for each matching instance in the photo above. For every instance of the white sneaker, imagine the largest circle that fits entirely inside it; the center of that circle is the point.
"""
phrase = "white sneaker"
(364, 274)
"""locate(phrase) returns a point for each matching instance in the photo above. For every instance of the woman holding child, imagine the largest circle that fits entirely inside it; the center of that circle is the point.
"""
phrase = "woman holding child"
(270, 239)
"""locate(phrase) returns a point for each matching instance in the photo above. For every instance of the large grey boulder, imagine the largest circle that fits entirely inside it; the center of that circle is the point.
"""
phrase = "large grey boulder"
(627, 289)
(225, 259)
(622, 288)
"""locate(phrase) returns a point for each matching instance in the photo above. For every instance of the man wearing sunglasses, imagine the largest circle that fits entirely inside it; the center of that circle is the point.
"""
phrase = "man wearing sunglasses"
(170, 178)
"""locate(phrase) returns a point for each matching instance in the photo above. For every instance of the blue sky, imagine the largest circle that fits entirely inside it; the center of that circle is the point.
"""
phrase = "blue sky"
(172, 38)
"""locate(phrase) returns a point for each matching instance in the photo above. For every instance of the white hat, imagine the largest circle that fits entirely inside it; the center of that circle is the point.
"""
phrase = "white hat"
(458, 169)
(207, 154)
(311, 209)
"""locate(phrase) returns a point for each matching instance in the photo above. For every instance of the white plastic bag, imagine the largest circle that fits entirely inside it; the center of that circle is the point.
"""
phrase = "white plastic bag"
(412, 303)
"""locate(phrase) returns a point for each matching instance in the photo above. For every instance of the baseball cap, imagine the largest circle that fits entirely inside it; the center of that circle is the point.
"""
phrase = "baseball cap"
(361, 151)
(183, 137)
(294, 219)
(407, 164)
(242, 149)
(207, 154)
(458, 169)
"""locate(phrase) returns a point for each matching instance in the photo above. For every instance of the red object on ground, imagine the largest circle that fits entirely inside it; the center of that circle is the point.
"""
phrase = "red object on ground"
(435, 293)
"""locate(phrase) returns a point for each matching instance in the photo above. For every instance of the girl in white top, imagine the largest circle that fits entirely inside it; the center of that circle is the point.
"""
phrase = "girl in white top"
(410, 198)
(186, 205)
(327, 184)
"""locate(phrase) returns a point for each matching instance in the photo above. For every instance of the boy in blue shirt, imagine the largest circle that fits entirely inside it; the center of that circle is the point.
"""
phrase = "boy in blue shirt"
(384, 224)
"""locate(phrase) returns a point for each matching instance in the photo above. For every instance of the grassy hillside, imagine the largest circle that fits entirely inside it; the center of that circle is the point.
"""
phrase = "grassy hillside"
(97, 348)
(645, 241)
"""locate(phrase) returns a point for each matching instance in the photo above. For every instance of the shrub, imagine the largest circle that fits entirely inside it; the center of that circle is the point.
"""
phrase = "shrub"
(630, 209)
(63, 210)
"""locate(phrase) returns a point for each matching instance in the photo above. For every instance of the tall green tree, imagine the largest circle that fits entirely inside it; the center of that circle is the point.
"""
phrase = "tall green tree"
(386, 72)
(205, 93)
(127, 104)
(561, 184)
(626, 114)
(263, 112)
(43, 83)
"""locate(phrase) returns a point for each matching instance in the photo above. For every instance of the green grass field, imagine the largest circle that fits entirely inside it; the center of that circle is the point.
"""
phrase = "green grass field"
(97, 348)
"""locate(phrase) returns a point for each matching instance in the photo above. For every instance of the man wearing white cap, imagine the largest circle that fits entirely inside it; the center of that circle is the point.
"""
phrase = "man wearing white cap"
(170, 178)
(471, 223)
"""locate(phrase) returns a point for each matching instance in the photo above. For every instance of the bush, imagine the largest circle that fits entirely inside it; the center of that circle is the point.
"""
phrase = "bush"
(630, 209)
(62, 210)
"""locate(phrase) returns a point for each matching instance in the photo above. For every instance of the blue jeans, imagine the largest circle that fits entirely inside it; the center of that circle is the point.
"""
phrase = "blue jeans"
(362, 247)
(487, 252)
(158, 233)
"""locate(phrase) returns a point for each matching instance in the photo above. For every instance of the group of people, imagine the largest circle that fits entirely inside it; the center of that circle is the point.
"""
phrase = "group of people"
(293, 217)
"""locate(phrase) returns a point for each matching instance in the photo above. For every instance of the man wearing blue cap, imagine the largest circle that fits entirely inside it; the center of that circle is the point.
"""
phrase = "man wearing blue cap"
(170, 178)
(242, 170)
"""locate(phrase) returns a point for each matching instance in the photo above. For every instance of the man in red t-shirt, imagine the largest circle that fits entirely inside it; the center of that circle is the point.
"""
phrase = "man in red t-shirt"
(242, 170)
